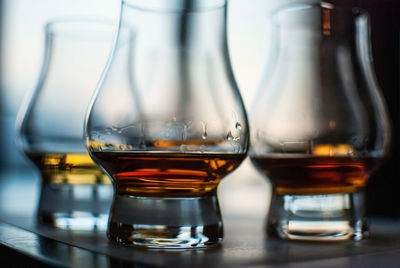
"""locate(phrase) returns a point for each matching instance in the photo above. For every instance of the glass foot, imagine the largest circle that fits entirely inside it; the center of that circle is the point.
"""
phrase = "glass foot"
(331, 217)
(165, 222)
(76, 221)
(78, 207)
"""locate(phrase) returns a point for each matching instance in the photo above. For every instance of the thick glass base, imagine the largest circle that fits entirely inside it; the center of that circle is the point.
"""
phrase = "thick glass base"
(80, 207)
(331, 217)
(165, 222)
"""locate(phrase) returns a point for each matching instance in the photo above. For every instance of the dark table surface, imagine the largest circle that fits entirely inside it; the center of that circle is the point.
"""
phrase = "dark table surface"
(244, 202)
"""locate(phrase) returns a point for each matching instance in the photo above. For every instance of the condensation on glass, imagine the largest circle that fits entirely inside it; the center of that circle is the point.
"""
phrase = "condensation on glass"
(168, 123)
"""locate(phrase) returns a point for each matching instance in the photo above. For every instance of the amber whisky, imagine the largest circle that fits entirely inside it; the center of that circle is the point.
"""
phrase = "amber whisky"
(313, 175)
(71, 168)
(166, 174)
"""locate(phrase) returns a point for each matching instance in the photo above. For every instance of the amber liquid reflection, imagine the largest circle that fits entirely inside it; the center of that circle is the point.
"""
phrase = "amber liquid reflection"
(166, 174)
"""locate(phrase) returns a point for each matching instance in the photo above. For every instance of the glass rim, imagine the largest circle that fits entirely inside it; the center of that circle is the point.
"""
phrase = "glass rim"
(355, 10)
(81, 27)
(151, 6)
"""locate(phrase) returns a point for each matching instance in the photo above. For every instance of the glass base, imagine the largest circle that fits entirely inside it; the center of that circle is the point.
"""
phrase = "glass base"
(77, 221)
(331, 217)
(165, 223)
(79, 207)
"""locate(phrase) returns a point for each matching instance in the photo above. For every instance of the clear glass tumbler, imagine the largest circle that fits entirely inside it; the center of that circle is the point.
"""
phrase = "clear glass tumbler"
(168, 124)
(319, 123)
(75, 194)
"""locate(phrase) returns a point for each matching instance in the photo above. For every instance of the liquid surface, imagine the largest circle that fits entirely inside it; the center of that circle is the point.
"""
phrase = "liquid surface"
(164, 175)
(316, 175)
(69, 168)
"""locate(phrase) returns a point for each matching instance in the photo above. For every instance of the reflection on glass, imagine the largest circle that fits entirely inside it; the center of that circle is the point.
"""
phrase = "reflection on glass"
(319, 124)
(168, 126)
(76, 194)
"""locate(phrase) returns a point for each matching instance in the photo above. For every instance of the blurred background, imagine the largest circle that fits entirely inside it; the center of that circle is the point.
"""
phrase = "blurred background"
(22, 47)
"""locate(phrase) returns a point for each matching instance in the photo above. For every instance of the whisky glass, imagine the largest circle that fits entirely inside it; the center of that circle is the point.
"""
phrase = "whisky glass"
(319, 124)
(168, 124)
(75, 193)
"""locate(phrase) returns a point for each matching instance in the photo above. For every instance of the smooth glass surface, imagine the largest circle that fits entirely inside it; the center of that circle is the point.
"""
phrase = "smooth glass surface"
(76, 193)
(320, 127)
(168, 123)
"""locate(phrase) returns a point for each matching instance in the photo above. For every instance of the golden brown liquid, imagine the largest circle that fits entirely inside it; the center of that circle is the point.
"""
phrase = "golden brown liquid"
(163, 175)
(316, 174)
(69, 168)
